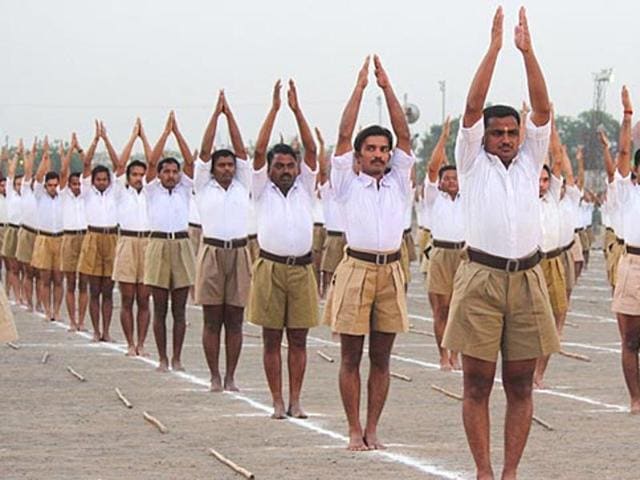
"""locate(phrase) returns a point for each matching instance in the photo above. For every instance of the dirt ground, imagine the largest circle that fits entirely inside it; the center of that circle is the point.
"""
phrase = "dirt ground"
(56, 427)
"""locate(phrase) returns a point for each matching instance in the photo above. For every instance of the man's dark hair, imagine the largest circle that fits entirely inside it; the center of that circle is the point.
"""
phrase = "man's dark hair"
(167, 161)
(499, 111)
(74, 175)
(51, 176)
(98, 169)
(548, 169)
(445, 168)
(372, 131)
(281, 148)
(636, 159)
(16, 178)
(222, 153)
(134, 164)
(2, 178)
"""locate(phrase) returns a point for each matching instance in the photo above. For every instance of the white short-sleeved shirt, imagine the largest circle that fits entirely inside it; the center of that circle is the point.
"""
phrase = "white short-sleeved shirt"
(551, 216)
(29, 206)
(447, 217)
(224, 214)
(285, 223)
(629, 202)
(374, 212)
(615, 215)
(318, 212)
(169, 209)
(73, 211)
(334, 220)
(568, 212)
(408, 212)
(586, 210)
(100, 207)
(131, 206)
(4, 213)
(49, 209)
(501, 205)
(194, 214)
(14, 204)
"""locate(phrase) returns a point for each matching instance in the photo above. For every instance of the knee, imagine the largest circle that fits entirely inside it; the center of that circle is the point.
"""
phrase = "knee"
(127, 301)
(519, 387)
(379, 361)
(350, 361)
(631, 342)
(477, 388)
(107, 292)
(297, 341)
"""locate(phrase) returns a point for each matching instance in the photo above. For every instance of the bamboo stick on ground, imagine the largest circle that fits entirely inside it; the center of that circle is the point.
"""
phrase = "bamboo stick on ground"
(75, 374)
(155, 422)
(421, 332)
(233, 466)
(15, 346)
(571, 324)
(325, 356)
(251, 335)
(575, 356)
(400, 376)
(45, 357)
(542, 423)
(123, 399)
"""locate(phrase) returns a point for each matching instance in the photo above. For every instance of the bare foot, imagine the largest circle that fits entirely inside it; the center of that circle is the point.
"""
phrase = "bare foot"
(96, 337)
(356, 442)
(106, 338)
(445, 366)
(455, 363)
(371, 439)
(278, 412)
(216, 384)
(82, 328)
(131, 351)
(296, 411)
(140, 351)
(635, 407)
(72, 327)
(230, 385)
(163, 366)
(538, 384)
(176, 365)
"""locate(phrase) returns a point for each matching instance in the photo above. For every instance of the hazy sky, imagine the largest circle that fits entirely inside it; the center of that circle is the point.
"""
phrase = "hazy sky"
(66, 62)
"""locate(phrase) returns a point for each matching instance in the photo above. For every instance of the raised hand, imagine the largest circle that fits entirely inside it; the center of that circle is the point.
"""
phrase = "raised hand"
(626, 101)
(604, 140)
(220, 104)
(446, 129)
(98, 132)
(46, 144)
(381, 75)
(522, 35)
(168, 127)
(319, 136)
(363, 74)
(496, 30)
(20, 147)
(275, 100)
(292, 97)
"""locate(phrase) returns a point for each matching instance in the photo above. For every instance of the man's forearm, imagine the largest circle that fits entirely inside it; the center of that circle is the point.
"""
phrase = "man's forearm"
(538, 96)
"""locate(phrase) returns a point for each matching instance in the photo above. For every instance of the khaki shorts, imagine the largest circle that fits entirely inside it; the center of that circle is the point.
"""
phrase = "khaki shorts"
(26, 242)
(613, 262)
(585, 240)
(332, 252)
(47, 253)
(128, 266)
(319, 235)
(71, 249)
(569, 271)
(283, 296)
(8, 331)
(169, 263)
(424, 263)
(608, 240)
(554, 276)
(10, 242)
(2, 230)
(443, 265)
(423, 237)
(365, 297)
(626, 296)
(494, 311)
(223, 276)
(195, 237)
(576, 250)
(405, 264)
(97, 254)
(411, 246)
(254, 249)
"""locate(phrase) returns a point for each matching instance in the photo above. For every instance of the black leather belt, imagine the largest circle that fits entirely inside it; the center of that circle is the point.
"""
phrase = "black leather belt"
(195, 225)
(568, 247)
(633, 250)
(609, 229)
(75, 232)
(406, 231)
(334, 233)
(50, 234)
(291, 261)
(377, 258)
(510, 265)
(619, 241)
(553, 253)
(133, 233)
(448, 245)
(253, 236)
(577, 230)
(226, 244)
(29, 229)
(3, 225)
(106, 230)
(318, 224)
(425, 229)
(170, 235)
(14, 225)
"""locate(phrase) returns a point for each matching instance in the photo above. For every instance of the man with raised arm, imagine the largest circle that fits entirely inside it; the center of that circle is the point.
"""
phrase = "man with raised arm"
(99, 244)
(74, 222)
(500, 303)
(169, 262)
(284, 292)
(442, 198)
(15, 269)
(367, 296)
(223, 268)
(47, 249)
(626, 303)
(133, 237)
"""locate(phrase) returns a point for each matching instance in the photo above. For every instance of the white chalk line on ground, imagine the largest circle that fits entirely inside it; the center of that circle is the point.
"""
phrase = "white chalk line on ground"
(399, 458)
(591, 347)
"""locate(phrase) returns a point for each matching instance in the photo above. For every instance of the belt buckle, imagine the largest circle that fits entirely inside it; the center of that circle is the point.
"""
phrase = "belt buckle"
(512, 261)
(291, 261)
(381, 258)
(171, 235)
(227, 244)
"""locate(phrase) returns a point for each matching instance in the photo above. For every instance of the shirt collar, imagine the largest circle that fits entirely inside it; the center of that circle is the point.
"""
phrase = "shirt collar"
(368, 180)
(495, 160)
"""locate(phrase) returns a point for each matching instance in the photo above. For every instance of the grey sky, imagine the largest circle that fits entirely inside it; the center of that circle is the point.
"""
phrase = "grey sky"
(69, 61)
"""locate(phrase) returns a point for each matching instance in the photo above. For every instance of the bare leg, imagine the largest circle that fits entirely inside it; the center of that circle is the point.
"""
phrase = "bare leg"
(127, 294)
(629, 327)
(326, 282)
(70, 300)
(517, 380)
(440, 312)
(380, 345)
(83, 284)
(178, 310)
(212, 316)
(45, 294)
(57, 293)
(543, 362)
(13, 278)
(297, 363)
(272, 340)
(95, 288)
(27, 287)
(478, 378)
(578, 269)
(233, 344)
(349, 380)
(160, 306)
(107, 307)
(142, 316)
